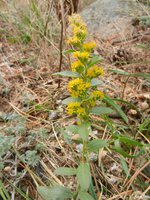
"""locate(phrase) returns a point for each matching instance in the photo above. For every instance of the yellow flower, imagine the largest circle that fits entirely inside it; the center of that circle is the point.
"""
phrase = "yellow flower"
(89, 46)
(76, 20)
(94, 72)
(81, 111)
(74, 17)
(72, 107)
(75, 108)
(76, 54)
(74, 40)
(78, 27)
(79, 30)
(81, 55)
(77, 66)
(97, 94)
(92, 102)
(78, 87)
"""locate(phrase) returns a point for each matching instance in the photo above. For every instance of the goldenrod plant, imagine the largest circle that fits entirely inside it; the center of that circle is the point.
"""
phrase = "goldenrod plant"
(86, 99)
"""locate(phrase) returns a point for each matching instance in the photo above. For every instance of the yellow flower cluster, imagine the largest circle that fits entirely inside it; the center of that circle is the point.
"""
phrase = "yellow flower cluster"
(74, 40)
(89, 46)
(77, 66)
(79, 30)
(75, 108)
(81, 55)
(96, 95)
(78, 87)
(81, 87)
(94, 72)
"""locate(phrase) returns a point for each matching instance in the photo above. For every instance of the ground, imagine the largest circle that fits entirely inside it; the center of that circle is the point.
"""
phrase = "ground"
(32, 115)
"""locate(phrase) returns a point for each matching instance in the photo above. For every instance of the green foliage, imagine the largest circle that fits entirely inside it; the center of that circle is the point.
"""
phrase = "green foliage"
(111, 102)
(30, 157)
(3, 192)
(68, 74)
(142, 75)
(6, 143)
(55, 193)
(96, 82)
(65, 171)
(101, 111)
(84, 130)
(84, 176)
(94, 60)
(84, 195)
(70, 99)
(96, 144)
(85, 101)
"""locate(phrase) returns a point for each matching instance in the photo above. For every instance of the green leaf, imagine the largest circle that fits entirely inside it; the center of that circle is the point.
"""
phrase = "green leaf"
(121, 72)
(124, 166)
(143, 46)
(84, 130)
(84, 196)
(3, 192)
(96, 144)
(96, 82)
(65, 171)
(84, 176)
(125, 154)
(70, 99)
(95, 60)
(68, 74)
(69, 51)
(116, 107)
(73, 129)
(129, 141)
(54, 193)
(101, 110)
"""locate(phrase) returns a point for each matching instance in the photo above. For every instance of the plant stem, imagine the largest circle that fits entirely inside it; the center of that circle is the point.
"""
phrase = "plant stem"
(84, 152)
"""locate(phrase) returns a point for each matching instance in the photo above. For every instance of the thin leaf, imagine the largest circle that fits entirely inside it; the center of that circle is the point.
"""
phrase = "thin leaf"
(129, 141)
(142, 46)
(4, 192)
(65, 171)
(125, 154)
(116, 107)
(96, 144)
(54, 193)
(69, 51)
(84, 130)
(124, 166)
(96, 82)
(121, 72)
(92, 191)
(84, 196)
(70, 99)
(68, 74)
(95, 60)
(72, 128)
(101, 111)
(84, 176)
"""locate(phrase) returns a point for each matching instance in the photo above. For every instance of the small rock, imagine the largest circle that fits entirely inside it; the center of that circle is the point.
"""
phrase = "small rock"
(114, 167)
(143, 97)
(7, 169)
(75, 137)
(59, 102)
(144, 105)
(132, 112)
(79, 148)
(53, 115)
(93, 157)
